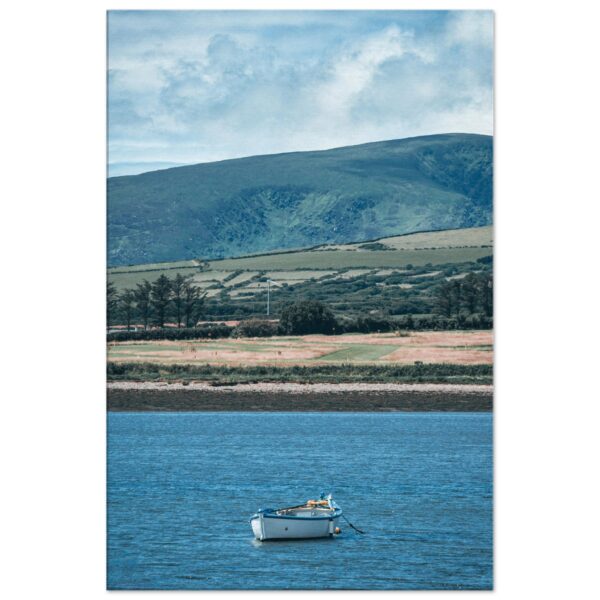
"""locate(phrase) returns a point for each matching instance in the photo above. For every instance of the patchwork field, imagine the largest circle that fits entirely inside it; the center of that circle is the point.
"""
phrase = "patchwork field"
(454, 347)
(451, 238)
(395, 275)
(345, 261)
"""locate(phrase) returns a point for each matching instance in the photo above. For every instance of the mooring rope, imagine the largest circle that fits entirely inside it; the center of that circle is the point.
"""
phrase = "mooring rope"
(355, 528)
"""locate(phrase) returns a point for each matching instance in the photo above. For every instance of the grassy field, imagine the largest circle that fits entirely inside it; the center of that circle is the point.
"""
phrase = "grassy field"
(129, 279)
(354, 280)
(345, 259)
(432, 347)
(450, 238)
(235, 278)
(165, 266)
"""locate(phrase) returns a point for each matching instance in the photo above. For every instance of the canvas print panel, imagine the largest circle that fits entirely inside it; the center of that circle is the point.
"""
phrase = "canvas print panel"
(300, 300)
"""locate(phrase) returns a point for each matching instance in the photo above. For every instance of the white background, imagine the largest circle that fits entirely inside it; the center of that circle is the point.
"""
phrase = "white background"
(53, 256)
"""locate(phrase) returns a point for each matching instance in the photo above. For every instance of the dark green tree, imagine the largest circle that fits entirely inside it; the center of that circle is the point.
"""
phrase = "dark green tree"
(193, 303)
(111, 302)
(178, 286)
(486, 294)
(142, 294)
(470, 293)
(443, 299)
(307, 316)
(456, 296)
(447, 298)
(255, 328)
(126, 305)
(160, 299)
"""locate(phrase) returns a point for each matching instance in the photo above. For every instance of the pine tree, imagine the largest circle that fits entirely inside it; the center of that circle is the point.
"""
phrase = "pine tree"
(178, 286)
(443, 299)
(160, 298)
(193, 303)
(486, 294)
(126, 305)
(470, 293)
(111, 302)
(142, 301)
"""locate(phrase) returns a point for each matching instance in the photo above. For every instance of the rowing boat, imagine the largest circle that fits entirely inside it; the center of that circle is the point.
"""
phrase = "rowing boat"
(313, 519)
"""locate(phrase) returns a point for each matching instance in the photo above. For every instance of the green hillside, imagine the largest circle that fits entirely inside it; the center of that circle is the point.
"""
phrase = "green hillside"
(301, 199)
(394, 275)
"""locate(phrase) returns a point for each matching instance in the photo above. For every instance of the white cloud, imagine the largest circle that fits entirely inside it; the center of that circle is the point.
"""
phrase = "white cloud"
(195, 88)
(470, 27)
(355, 69)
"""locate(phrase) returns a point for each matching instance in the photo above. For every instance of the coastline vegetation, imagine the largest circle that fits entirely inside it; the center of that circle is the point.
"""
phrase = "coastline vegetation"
(344, 373)
(398, 286)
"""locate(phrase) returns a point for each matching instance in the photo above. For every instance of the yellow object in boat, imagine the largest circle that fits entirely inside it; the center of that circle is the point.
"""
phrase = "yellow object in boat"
(317, 503)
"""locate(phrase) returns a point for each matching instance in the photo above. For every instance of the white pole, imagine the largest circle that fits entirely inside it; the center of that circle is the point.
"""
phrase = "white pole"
(268, 296)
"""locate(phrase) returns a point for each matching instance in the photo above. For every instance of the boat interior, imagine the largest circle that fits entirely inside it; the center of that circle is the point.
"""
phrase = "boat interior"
(311, 509)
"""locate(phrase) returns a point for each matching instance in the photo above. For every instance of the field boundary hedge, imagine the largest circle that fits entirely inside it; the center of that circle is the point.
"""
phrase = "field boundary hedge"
(263, 328)
(171, 333)
(345, 373)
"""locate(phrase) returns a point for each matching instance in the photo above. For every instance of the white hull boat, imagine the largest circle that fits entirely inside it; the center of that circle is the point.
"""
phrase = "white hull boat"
(314, 519)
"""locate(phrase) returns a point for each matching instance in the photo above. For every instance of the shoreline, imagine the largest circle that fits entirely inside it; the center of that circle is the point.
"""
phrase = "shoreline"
(131, 396)
(302, 388)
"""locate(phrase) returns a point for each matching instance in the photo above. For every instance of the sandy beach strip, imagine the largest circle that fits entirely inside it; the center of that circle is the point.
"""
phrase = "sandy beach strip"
(123, 396)
(303, 388)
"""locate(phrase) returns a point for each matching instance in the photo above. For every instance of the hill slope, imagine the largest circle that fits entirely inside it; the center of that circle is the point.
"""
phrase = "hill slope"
(301, 199)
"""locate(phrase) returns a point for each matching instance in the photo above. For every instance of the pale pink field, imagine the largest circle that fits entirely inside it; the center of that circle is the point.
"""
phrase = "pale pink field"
(439, 355)
(462, 347)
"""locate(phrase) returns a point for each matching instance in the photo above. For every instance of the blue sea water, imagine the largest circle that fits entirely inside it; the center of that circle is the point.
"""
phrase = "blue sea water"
(182, 486)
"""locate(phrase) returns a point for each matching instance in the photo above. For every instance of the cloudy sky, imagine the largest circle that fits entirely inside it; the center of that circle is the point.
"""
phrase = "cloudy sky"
(197, 86)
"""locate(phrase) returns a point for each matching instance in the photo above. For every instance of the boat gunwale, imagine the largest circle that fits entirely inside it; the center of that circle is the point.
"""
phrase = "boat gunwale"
(271, 514)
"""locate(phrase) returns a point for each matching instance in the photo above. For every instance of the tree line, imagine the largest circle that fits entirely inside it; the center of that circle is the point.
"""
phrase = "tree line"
(155, 303)
(464, 297)
(458, 303)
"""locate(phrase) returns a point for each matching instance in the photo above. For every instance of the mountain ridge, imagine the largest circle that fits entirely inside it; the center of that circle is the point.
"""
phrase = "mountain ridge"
(278, 201)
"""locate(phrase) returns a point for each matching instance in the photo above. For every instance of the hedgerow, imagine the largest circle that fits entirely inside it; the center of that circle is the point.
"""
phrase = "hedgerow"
(172, 333)
(418, 372)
